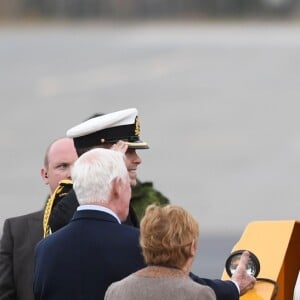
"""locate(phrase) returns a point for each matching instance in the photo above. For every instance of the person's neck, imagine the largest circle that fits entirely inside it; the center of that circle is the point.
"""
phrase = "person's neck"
(186, 268)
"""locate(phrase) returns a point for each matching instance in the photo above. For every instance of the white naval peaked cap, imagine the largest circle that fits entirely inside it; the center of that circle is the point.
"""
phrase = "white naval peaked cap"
(108, 129)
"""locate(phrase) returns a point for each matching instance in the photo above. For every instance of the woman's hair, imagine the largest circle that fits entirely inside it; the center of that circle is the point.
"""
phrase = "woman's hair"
(167, 233)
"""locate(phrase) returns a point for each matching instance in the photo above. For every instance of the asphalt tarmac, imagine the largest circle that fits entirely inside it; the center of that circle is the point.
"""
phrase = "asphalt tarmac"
(218, 103)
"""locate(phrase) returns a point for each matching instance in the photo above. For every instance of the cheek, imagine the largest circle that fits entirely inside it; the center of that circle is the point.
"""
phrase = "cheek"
(62, 175)
(54, 182)
(57, 177)
(127, 161)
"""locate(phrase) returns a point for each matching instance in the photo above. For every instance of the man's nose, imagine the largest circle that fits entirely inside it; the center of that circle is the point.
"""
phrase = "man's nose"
(137, 159)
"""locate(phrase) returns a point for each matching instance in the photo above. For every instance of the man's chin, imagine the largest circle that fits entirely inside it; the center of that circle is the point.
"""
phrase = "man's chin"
(133, 182)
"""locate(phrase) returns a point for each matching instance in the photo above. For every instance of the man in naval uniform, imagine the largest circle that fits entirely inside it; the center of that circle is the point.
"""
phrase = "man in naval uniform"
(106, 130)
(120, 131)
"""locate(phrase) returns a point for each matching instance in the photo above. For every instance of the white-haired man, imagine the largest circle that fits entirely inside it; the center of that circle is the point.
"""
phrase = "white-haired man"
(83, 258)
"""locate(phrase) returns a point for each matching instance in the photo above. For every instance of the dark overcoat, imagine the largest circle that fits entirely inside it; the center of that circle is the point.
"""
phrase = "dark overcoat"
(82, 259)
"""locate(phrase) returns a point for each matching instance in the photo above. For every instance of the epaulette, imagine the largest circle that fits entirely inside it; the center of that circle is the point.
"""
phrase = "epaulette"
(61, 191)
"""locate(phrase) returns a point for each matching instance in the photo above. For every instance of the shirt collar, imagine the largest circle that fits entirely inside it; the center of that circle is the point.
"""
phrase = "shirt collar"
(99, 208)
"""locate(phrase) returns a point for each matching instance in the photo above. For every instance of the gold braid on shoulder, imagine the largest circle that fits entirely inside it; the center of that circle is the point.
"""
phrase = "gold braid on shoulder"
(62, 190)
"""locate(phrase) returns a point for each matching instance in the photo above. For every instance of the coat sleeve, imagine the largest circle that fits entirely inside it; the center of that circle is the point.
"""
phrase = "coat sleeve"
(224, 289)
(63, 211)
(7, 288)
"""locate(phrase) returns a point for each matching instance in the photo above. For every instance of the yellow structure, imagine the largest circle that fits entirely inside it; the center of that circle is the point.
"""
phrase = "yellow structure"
(277, 246)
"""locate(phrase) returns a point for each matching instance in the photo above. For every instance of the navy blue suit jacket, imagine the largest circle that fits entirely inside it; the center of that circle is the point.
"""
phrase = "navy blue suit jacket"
(224, 289)
(82, 259)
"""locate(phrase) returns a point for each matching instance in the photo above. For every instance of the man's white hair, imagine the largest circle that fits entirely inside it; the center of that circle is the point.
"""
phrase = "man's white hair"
(93, 174)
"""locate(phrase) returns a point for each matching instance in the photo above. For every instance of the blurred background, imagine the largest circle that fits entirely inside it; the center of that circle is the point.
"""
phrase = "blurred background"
(146, 8)
(216, 84)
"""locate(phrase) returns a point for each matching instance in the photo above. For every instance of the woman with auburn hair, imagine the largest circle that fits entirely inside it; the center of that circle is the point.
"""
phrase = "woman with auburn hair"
(169, 236)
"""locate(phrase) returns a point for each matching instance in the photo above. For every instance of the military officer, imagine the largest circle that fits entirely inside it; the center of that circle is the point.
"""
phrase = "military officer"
(105, 130)
(121, 131)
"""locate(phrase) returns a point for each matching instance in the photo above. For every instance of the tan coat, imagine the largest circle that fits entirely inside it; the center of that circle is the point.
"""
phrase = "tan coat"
(155, 282)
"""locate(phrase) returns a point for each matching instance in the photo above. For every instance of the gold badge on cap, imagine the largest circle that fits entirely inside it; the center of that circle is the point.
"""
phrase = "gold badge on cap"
(137, 126)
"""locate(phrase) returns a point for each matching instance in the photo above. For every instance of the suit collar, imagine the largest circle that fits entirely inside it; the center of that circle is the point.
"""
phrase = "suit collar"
(94, 214)
(99, 208)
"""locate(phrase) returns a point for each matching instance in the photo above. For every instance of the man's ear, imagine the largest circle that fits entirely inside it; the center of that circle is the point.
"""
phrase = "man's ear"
(116, 187)
(44, 175)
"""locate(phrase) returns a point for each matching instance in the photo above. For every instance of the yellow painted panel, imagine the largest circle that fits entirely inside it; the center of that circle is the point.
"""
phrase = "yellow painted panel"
(261, 291)
(275, 243)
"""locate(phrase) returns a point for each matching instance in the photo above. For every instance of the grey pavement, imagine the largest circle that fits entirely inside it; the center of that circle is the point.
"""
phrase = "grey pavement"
(219, 106)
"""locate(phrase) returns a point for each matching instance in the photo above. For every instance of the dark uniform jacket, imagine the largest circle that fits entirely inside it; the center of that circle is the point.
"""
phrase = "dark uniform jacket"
(83, 258)
(63, 211)
(19, 238)
(143, 194)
